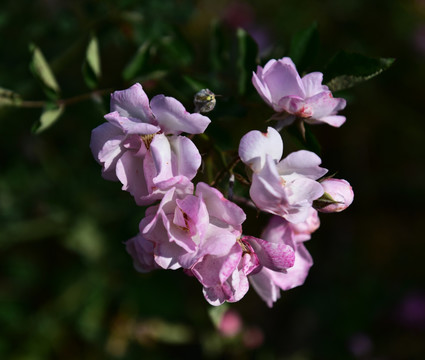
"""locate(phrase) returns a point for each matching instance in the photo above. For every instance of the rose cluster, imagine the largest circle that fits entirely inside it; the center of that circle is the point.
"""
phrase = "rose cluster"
(193, 226)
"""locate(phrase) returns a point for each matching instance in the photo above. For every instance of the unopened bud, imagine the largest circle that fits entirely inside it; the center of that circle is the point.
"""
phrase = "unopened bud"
(337, 197)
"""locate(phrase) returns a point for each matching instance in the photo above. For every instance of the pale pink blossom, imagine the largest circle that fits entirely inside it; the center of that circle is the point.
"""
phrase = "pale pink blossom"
(284, 187)
(141, 145)
(340, 192)
(302, 231)
(202, 233)
(267, 282)
(247, 257)
(282, 88)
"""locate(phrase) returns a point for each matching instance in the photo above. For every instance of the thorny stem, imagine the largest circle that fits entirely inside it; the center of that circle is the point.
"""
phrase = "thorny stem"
(64, 102)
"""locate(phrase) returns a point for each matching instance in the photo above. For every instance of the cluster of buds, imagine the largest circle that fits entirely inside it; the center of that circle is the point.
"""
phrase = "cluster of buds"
(193, 226)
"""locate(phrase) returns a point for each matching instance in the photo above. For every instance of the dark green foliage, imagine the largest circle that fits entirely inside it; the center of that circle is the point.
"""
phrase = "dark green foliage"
(68, 289)
(304, 47)
(91, 66)
(346, 70)
(246, 59)
(51, 113)
(41, 70)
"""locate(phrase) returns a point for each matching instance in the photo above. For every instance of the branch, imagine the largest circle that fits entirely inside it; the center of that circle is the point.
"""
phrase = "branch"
(64, 102)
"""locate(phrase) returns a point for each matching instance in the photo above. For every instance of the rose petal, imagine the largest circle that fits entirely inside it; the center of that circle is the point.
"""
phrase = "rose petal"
(186, 160)
(161, 154)
(219, 207)
(302, 162)
(324, 104)
(296, 105)
(141, 250)
(133, 103)
(215, 270)
(334, 120)
(276, 256)
(255, 145)
(265, 287)
(282, 79)
(105, 146)
(174, 119)
(297, 274)
(130, 172)
(313, 84)
(131, 125)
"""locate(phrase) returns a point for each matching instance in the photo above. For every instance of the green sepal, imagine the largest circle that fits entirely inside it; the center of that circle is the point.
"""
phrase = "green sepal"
(325, 200)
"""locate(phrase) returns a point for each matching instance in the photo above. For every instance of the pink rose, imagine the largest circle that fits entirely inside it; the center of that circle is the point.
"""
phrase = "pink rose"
(268, 282)
(141, 145)
(284, 187)
(282, 88)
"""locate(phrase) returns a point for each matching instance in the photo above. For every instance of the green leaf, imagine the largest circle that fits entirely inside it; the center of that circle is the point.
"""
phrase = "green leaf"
(304, 46)
(135, 65)
(9, 98)
(91, 66)
(41, 70)
(49, 116)
(347, 69)
(247, 59)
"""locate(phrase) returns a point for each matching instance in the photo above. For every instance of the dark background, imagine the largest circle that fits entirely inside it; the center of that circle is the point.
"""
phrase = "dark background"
(67, 287)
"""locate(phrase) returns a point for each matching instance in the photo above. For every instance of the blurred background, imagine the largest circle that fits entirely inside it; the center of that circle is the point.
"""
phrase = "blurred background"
(68, 288)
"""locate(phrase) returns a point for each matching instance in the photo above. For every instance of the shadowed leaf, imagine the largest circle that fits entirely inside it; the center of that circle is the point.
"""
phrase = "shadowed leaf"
(9, 98)
(41, 70)
(346, 70)
(247, 59)
(50, 115)
(304, 47)
(91, 66)
(135, 65)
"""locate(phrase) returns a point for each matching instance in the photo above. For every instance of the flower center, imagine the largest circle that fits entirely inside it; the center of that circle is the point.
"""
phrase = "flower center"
(147, 139)
(304, 112)
(244, 246)
(183, 220)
